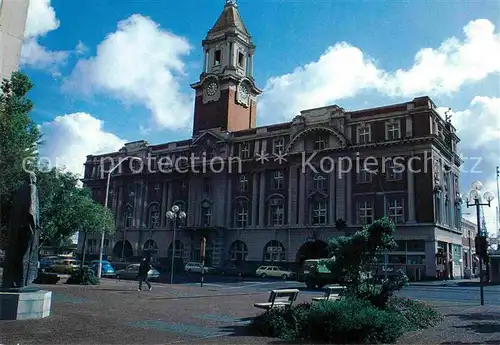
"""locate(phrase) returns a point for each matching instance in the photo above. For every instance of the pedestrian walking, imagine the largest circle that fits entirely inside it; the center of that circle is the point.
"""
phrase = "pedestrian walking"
(144, 268)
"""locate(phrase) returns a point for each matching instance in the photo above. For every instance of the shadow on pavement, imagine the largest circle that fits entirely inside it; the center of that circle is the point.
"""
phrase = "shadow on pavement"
(486, 342)
(482, 327)
(491, 316)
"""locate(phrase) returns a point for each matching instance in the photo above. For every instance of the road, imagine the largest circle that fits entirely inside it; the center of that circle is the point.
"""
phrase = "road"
(467, 295)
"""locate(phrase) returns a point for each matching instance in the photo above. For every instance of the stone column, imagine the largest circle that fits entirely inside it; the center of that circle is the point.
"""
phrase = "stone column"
(291, 189)
(164, 201)
(292, 197)
(302, 196)
(255, 200)
(411, 195)
(262, 198)
(229, 201)
(145, 207)
(204, 61)
(170, 195)
(250, 67)
(331, 197)
(119, 207)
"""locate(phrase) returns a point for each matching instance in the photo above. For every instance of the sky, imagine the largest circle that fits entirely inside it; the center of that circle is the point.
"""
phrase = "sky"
(111, 71)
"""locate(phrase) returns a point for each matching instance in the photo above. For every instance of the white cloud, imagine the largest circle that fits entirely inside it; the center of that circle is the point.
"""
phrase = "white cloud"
(73, 137)
(139, 63)
(41, 20)
(344, 71)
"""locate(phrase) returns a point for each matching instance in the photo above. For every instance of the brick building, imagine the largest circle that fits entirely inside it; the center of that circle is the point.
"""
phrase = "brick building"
(279, 192)
(469, 260)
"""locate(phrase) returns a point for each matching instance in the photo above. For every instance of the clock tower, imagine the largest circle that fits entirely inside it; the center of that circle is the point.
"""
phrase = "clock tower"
(226, 95)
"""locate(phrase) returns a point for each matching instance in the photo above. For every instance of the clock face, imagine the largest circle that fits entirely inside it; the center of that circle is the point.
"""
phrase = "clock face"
(243, 92)
(212, 88)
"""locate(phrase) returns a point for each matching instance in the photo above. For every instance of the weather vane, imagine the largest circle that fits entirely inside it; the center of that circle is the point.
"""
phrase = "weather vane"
(447, 117)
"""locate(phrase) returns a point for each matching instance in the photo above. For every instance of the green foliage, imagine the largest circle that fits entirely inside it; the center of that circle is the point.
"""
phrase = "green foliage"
(46, 278)
(347, 321)
(83, 276)
(355, 257)
(19, 138)
(418, 315)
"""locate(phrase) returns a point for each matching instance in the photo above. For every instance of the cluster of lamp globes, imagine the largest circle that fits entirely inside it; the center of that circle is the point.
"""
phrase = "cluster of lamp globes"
(176, 213)
(476, 196)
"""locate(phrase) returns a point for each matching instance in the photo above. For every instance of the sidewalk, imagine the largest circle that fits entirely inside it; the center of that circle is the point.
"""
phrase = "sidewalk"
(455, 282)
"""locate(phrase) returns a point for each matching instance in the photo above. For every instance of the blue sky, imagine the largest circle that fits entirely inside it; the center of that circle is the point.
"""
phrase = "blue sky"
(356, 54)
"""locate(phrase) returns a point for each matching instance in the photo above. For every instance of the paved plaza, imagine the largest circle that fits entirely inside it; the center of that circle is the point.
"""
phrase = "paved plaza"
(116, 313)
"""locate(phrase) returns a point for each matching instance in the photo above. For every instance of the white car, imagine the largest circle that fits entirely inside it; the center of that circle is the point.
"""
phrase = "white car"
(273, 271)
(195, 267)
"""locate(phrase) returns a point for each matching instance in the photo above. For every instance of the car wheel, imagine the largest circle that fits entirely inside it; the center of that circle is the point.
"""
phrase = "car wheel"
(263, 275)
(284, 276)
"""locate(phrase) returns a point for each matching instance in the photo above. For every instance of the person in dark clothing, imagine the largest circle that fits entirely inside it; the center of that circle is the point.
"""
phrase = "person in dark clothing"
(143, 273)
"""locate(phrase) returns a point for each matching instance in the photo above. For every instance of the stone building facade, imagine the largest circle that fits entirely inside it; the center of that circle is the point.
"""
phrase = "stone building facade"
(277, 193)
(469, 259)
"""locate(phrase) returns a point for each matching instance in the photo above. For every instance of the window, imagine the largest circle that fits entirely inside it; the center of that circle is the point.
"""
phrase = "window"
(241, 59)
(238, 251)
(242, 214)
(154, 216)
(276, 212)
(319, 181)
(206, 214)
(365, 212)
(392, 130)
(207, 186)
(92, 246)
(393, 173)
(278, 179)
(274, 251)
(364, 176)
(319, 143)
(278, 146)
(319, 212)
(245, 150)
(217, 57)
(178, 250)
(128, 217)
(364, 134)
(243, 183)
(396, 211)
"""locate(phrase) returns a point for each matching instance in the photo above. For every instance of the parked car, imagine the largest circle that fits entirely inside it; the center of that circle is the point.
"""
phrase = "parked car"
(233, 270)
(107, 269)
(45, 262)
(64, 265)
(274, 271)
(132, 270)
(195, 267)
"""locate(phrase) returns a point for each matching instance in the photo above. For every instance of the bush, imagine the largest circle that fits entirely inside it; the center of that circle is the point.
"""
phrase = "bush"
(46, 278)
(83, 277)
(418, 315)
(348, 321)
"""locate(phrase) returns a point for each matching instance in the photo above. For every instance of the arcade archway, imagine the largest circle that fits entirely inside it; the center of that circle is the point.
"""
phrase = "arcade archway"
(312, 250)
(123, 250)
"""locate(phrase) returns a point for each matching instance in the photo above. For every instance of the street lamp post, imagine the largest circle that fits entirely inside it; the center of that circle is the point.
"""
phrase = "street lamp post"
(475, 198)
(101, 247)
(174, 215)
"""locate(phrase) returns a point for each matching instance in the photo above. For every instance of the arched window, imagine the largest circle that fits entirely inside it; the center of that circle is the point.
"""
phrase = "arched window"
(128, 216)
(154, 216)
(274, 251)
(178, 251)
(238, 251)
(150, 246)
(319, 181)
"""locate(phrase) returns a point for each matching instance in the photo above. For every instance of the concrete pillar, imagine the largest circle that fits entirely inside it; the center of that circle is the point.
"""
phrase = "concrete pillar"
(204, 61)
(229, 200)
(250, 67)
(255, 200)
(145, 207)
(163, 215)
(411, 196)
(262, 198)
(292, 197)
(119, 207)
(430, 258)
(331, 197)
(302, 197)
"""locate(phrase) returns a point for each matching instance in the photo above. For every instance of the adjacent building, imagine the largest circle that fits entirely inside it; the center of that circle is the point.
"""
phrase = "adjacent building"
(469, 259)
(13, 15)
(277, 193)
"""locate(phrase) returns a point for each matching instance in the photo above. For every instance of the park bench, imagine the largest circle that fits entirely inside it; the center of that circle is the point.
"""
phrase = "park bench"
(279, 298)
(331, 294)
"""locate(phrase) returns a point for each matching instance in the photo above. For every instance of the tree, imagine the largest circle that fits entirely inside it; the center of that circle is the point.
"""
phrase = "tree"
(92, 218)
(58, 193)
(19, 137)
(355, 257)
